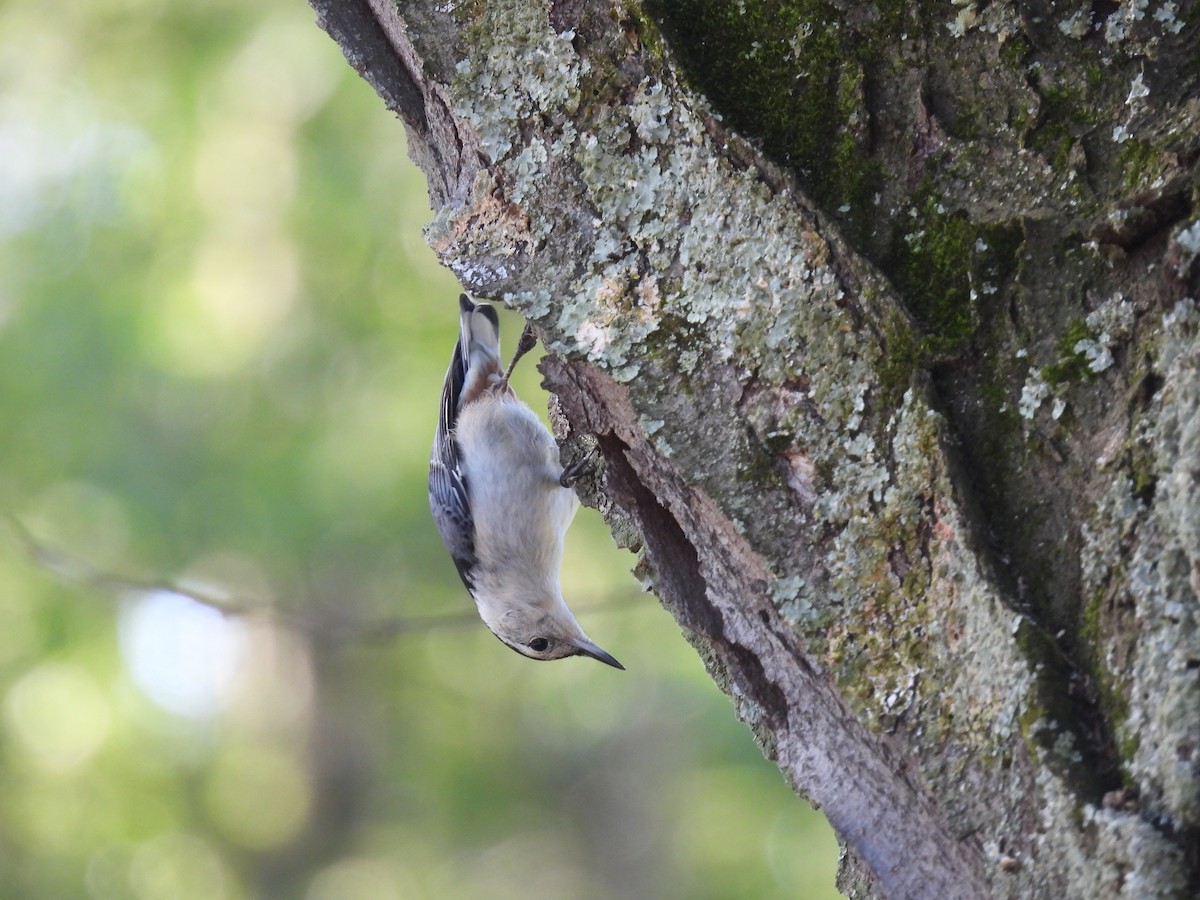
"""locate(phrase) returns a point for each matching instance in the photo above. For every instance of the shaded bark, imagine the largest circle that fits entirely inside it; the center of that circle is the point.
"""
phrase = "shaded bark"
(907, 429)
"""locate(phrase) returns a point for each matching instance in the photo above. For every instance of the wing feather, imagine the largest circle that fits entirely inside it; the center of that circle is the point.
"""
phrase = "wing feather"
(448, 499)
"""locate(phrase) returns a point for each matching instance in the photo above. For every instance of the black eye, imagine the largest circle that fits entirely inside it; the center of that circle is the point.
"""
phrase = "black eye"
(537, 645)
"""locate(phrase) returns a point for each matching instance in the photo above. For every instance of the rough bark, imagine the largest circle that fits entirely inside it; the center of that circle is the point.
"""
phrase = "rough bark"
(907, 430)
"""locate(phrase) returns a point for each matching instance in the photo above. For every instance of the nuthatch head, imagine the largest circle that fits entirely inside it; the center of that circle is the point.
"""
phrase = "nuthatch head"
(500, 498)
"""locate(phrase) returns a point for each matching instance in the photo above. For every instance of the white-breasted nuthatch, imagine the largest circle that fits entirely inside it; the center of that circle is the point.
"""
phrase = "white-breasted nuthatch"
(501, 499)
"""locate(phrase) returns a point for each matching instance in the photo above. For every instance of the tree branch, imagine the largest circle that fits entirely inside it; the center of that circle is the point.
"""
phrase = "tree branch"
(72, 569)
(816, 480)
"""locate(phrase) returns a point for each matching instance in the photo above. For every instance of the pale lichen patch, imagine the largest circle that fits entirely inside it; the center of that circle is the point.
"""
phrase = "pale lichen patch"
(1159, 575)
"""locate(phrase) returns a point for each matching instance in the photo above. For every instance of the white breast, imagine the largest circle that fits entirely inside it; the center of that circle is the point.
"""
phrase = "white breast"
(521, 512)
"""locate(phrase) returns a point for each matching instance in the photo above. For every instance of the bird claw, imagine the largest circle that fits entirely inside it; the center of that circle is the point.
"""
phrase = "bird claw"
(573, 473)
(525, 343)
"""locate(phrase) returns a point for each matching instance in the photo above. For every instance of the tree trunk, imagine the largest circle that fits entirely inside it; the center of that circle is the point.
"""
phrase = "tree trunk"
(905, 420)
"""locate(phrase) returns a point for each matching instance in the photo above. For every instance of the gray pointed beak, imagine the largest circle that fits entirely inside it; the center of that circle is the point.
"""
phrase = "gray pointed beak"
(587, 648)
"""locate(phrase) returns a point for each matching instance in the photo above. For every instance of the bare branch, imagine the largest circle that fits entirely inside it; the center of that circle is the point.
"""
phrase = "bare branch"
(74, 570)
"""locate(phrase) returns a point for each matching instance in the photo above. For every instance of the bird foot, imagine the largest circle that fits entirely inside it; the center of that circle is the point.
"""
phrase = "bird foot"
(525, 343)
(579, 469)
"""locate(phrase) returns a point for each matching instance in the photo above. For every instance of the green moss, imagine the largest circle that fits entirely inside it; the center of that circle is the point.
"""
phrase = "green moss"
(1051, 722)
(1022, 119)
(762, 468)
(1068, 727)
(467, 10)
(1065, 115)
(1013, 52)
(674, 333)
(968, 122)
(1142, 468)
(1027, 722)
(1142, 163)
(906, 352)
(634, 16)
(1113, 701)
(778, 442)
(1072, 365)
(943, 265)
(790, 74)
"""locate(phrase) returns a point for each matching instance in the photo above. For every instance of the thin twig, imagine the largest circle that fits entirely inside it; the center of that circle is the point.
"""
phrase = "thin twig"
(68, 568)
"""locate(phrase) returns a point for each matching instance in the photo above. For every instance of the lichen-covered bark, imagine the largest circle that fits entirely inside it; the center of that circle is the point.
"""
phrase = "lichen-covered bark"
(908, 433)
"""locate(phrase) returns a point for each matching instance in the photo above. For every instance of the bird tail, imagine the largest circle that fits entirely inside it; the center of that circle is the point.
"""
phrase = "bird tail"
(479, 339)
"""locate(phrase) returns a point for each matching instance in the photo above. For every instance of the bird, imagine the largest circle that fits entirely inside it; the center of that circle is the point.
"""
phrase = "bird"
(501, 500)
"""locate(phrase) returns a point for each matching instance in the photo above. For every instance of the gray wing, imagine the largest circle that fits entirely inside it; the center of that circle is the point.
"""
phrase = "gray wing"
(447, 490)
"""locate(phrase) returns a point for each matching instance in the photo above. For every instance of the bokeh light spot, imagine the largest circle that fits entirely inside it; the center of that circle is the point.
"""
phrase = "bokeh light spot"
(258, 797)
(240, 291)
(247, 171)
(283, 73)
(60, 715)
(178, 867)
(182, 655)
(358, 877)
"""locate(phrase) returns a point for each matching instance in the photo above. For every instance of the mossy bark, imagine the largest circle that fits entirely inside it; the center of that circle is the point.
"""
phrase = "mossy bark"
(897, 387)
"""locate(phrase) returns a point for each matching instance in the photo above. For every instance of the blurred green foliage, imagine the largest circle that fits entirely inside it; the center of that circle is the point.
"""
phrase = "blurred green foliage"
(221, 343)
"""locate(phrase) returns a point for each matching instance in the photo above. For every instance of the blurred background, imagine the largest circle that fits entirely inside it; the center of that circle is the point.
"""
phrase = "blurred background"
(222, 340)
